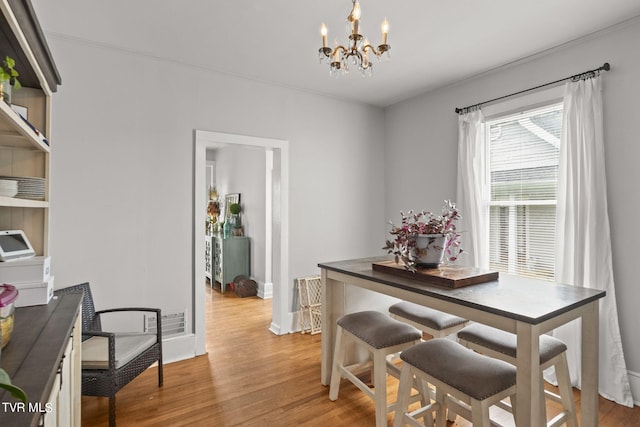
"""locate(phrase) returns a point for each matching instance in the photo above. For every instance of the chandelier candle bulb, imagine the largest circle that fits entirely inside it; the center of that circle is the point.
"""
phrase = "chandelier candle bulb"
(385, 30)
(323, 31)
(354, 17)
(366, 53)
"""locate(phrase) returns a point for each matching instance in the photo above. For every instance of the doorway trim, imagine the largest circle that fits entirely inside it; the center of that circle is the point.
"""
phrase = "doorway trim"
(281, 318)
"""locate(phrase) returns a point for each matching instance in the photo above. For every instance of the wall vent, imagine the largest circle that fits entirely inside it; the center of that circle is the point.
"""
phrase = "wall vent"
(172, 324)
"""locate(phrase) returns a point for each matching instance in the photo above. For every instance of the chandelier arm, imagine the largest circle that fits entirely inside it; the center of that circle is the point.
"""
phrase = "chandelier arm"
(372, 49)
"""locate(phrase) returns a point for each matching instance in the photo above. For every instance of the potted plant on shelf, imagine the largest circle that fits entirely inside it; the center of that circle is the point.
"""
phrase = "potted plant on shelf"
(233, 224)
(236, 220)
(8, 78)
(424, 239)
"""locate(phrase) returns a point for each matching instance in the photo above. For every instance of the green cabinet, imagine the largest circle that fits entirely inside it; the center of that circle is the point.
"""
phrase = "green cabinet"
(230, 258)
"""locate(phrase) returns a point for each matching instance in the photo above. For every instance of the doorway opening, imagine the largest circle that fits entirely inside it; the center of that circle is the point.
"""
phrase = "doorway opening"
(276, 226)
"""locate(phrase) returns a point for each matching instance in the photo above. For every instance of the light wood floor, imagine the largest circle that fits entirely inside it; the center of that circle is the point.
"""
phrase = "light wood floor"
(251, 377)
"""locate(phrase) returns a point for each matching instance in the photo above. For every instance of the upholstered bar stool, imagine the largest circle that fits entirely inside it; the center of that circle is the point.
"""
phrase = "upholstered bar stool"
(380, 335)
(502, 345)
(465, 381)
(434, 322)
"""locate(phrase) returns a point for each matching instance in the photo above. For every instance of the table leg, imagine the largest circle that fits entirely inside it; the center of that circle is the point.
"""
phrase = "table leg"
(529, 410)
(590, 349)
(332, 309)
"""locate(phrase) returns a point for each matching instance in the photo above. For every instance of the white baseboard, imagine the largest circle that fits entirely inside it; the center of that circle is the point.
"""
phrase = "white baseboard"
(288, 326)
(275, 329)
(634, 382)
(295, 322)
(265, 290)
(178, 348)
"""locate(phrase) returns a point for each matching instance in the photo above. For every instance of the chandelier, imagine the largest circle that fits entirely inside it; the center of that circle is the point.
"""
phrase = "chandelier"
(358, 48)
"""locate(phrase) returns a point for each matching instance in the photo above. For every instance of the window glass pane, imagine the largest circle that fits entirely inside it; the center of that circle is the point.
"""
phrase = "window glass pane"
(523, 169)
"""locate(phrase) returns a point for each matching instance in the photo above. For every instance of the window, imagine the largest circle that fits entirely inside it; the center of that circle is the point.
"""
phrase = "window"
(522, 167)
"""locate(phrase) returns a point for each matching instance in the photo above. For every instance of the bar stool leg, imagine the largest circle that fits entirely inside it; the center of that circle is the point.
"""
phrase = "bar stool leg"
(441, 412)
(425, 399)
(404, 390)
(480, 413)
(380, 386)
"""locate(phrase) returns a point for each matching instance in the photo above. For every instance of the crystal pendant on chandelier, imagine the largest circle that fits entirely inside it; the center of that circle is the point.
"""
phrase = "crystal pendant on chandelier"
(358, 49)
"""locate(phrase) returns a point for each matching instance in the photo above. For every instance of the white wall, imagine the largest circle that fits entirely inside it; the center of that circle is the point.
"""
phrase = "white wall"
(122, 171)
(421, 136)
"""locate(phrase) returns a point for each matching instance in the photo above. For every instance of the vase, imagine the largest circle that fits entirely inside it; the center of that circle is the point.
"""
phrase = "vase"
(429, 250)
(226, 229)
(5, 91)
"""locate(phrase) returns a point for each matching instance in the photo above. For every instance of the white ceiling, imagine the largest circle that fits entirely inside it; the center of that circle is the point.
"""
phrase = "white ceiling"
(276, 41)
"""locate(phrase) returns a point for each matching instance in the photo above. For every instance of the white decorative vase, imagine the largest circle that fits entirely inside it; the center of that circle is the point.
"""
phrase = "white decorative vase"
(429, 250)
(5, 91)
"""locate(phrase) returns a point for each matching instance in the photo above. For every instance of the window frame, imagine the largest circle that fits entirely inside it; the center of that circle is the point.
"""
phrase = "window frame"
(502, 110)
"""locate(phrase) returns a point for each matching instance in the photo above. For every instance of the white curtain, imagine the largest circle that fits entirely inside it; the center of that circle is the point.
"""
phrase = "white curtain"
(582, 235)
(469, 198)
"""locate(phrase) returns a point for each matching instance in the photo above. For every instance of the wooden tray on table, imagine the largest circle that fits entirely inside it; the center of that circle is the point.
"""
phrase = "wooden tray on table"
(451, 276)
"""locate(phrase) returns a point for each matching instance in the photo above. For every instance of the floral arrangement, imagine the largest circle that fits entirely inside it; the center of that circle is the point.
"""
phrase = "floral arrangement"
(404, 244)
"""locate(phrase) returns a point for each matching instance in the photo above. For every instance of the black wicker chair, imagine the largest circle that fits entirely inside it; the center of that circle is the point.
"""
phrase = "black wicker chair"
(105, 377)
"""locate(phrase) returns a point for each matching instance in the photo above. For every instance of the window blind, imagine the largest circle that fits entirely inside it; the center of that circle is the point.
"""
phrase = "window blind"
(523, 154)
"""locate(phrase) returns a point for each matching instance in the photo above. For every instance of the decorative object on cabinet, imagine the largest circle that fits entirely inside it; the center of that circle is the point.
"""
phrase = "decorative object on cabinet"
(422, 235)
(8, 78)
(230, 199)
(310, 296)
(230, 258)
(111, 360)
(233, 224)
(8, 297)
(213, 193)
(213, 212)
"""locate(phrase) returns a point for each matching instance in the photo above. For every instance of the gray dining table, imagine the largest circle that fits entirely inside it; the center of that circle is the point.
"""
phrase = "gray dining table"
(523, 306)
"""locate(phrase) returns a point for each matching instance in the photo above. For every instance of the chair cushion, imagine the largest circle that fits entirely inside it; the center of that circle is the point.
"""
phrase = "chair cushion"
(426, 316)
(475, 375)
(95, 350)
(377, 329)
(506, 343)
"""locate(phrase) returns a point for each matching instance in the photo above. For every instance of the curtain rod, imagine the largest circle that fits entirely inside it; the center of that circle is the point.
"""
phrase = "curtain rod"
(605, 67)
